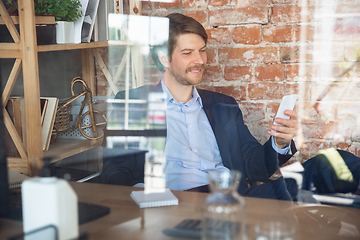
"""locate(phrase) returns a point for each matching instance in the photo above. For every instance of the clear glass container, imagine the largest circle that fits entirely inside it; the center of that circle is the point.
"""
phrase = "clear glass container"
(224, 216)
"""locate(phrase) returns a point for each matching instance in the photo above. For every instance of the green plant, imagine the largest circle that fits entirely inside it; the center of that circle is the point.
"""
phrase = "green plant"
(63, 10)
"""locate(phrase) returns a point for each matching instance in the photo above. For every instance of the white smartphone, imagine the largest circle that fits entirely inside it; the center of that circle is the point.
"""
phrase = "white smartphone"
(287, 103)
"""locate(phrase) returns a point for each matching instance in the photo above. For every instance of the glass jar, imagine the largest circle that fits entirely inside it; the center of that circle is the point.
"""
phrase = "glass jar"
(224, 216)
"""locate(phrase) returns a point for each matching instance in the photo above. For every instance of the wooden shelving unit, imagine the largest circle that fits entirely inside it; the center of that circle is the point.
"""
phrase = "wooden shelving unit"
(25, 52)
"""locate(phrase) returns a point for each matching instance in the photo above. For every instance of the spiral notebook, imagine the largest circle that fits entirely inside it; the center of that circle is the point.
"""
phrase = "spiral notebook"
(15, 179)
(156, 199)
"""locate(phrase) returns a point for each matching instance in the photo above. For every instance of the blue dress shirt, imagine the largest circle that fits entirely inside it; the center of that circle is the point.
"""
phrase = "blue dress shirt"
(191, 149)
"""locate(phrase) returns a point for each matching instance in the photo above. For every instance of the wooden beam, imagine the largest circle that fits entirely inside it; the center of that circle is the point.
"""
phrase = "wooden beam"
(5, 53)
(31, 85)
(18, 165)
(135, 7)
(14, 135)
(39, 20)
(88, 69)
(9, 23)
(105, 70)
(10, 46)
(10, 50)
(11, 81)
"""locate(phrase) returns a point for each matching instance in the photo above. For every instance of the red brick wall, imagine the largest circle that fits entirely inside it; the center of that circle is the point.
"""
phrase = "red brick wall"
(260, 50)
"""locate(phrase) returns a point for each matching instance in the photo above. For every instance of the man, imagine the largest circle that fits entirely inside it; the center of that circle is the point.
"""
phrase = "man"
(205, 130)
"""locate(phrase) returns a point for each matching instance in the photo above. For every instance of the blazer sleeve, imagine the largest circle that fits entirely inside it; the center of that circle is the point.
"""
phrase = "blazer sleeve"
(258, 161)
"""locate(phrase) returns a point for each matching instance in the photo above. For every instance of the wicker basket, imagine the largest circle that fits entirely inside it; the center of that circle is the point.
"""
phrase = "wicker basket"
(62, 119)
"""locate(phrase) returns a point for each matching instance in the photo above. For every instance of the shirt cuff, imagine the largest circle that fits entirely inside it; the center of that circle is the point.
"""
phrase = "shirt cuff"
(282, 151)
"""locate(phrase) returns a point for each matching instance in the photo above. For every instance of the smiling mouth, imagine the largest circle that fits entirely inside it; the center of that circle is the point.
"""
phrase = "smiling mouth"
(196, 69)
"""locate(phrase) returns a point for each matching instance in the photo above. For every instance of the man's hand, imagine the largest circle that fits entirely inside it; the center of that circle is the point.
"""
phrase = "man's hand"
(283, 134)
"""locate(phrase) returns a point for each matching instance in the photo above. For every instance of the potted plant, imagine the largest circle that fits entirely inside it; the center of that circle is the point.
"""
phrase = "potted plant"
(66, 12)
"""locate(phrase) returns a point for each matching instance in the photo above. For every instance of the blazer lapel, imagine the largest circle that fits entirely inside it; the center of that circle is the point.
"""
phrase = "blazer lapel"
(218, 129)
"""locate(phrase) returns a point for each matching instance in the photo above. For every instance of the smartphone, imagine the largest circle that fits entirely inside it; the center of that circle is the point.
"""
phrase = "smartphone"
(287, 103)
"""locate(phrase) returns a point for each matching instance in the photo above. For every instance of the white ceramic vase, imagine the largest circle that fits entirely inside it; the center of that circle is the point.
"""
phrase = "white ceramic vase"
(65, 32)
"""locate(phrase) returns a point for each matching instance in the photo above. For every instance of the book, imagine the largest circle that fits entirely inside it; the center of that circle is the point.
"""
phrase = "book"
(80, 21)
(89, 20)
(43, 106)
(46, 118)
(49, 119)
(154, 199)
(15, 179)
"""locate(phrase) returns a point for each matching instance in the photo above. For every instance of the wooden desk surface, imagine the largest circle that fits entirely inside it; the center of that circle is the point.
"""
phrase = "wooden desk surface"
(128, 221)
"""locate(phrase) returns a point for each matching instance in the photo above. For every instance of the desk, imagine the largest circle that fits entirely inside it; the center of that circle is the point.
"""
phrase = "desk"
(128, 221)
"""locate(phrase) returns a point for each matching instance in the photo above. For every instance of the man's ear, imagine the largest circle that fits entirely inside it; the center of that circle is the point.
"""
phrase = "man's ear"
(163, 59)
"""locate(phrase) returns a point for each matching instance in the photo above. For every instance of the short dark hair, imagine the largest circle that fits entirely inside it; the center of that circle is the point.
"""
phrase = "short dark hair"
(181, 24)
(178, 24)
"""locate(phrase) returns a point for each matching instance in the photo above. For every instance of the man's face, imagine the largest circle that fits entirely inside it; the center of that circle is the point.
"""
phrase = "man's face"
(188, 60)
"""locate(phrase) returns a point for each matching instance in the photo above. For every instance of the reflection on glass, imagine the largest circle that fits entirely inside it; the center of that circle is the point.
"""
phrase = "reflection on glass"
(137, 113)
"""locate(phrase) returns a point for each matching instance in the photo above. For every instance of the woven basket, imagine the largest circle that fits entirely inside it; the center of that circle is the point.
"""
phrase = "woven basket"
(62, 118)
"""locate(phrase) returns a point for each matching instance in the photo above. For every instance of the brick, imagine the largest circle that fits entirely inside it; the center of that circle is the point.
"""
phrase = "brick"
(302, 72)
(145, 6)
(237, 92)
(292, 54)
(272, 72)
(317, 130)
(219, 35)
(247, 35)
(194, 3)
(238, 16)
(311, 148)
(237, 73)
(343, 146)
(319, 53)
(248, 3)
(288, 2)
(271, 109)
(172, 4)
(278, 34)
(305, 33)
(211, 55)
(217, 3)
(240, 3)
(199, 16)
(355, 149)
(253, 55)
(286, 14)
(270, 90)
(213, 74)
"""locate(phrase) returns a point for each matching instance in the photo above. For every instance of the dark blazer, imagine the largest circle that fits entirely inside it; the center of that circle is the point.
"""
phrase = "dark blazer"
(238, 148)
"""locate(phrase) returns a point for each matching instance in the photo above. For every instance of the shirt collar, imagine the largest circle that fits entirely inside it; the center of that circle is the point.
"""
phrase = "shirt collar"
(169, 97)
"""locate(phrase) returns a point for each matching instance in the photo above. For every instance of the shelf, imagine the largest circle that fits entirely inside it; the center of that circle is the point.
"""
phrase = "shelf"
(65, 147)
(61, 47)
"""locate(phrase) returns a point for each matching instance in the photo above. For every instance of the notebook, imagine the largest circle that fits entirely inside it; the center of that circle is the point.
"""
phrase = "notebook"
(156, 199)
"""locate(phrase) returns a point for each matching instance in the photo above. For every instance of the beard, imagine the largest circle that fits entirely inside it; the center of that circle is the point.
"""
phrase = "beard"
(183, 79)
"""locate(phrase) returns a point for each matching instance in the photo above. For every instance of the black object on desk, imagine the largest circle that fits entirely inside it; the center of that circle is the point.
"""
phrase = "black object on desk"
(123, 166)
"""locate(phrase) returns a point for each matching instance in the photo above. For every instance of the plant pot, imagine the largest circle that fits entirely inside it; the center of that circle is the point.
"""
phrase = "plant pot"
(65, 32)
(45, 34)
